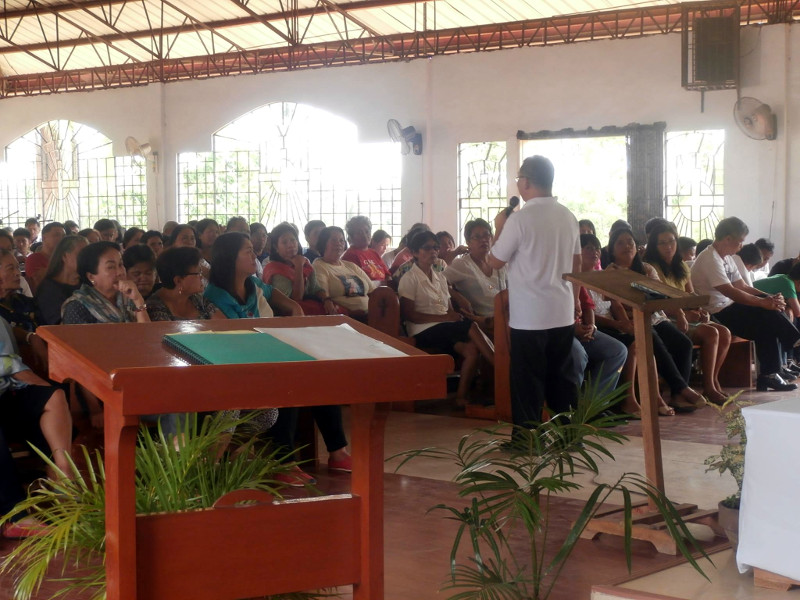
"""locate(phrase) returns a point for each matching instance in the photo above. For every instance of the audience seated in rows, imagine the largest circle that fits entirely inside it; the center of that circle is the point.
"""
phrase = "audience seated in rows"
(713, 338)
(291, 273)
(430, 316)
(743, 309)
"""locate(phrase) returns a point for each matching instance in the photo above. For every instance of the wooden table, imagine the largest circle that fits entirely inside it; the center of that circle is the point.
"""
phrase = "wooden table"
(229, 553)
(616, 285)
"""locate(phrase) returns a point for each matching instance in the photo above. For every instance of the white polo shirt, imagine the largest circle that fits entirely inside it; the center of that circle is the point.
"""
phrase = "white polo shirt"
(710, 270)
(539, 242)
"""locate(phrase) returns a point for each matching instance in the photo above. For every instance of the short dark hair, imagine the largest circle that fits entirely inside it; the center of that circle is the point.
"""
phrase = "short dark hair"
(176, 262)
(86, 232)
(89, 258)
(66, 245)
(274, 237)
(103, 224)
(21, 231)
(311, 226)
(70, 224)
(730, 226)
(441, 235)
(587, 223)
(419, 240)
(8, 236)
(539, 171)
(765, 245)
(173, 237)
(794, 272)
(474, 224)
(130, 233)
(52, 225)
(256, 226)
(703, 244)
(412, 231)
(325, 235)
(589, 239)
(651, 223)
(379, 236)
(750, 254)
(138, 253)
(619, 223)
(31, 221)
(151, 234)
(684, 243)
(223, 259)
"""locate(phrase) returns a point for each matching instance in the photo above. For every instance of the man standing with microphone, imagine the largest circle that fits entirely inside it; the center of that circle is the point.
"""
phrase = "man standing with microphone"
(540, 242)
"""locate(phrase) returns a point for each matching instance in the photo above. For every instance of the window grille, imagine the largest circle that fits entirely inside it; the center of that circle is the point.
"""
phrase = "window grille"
(482, 182)
(291, 162)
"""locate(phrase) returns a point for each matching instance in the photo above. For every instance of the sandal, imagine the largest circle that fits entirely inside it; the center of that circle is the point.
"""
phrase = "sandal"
(666, 411)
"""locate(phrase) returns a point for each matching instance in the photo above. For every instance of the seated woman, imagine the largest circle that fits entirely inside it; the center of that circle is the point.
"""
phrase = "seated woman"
(31, 410)
(180, 296)
(105, 295)
(182, 235)
(140, 268)
(207, 232)
(449, 250)
(239, 294)
(20, 311)
(344, 282)
(714, 339)
(402, 254)
(233, 287)
(154, 240)
(359, 231)
(291, 273)
(133, 236)
(60, 280)
(429, 315)
(672, 349)
(380, 243)
(472, 276)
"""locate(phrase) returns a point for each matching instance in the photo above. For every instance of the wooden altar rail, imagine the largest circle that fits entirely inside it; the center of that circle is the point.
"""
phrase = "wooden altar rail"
(234, 552)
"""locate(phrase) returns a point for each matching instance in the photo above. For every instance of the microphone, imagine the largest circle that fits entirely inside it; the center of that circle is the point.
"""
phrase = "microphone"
(513, 202)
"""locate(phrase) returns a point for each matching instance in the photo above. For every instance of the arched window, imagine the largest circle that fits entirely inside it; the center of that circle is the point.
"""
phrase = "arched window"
(62, 170)
(291, 162)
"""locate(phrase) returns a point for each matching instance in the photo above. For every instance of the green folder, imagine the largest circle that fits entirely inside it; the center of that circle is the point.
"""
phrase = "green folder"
(233, 348)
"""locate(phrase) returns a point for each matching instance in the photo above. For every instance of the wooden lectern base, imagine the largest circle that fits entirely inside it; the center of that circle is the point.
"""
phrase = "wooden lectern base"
(772, 581)
(649, 526)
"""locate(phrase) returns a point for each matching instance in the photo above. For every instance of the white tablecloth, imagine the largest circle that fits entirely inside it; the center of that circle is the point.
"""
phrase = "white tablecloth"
(769, 518)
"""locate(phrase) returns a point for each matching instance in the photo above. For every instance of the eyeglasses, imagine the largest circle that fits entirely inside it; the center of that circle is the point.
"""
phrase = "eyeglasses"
(430, 247)
(191, 273)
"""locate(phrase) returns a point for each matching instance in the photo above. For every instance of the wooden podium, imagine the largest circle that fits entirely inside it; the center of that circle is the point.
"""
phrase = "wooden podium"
(616, 285)
(240, 552)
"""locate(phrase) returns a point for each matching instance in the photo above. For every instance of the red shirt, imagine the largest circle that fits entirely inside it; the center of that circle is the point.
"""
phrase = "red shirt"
(369, 261)
(34, 263)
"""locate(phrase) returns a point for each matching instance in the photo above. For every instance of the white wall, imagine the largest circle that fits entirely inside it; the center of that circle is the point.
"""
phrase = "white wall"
(474, 97)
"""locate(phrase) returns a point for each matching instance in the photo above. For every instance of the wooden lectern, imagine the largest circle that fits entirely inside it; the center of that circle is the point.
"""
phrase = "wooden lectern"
(616, 285)
(244, 551)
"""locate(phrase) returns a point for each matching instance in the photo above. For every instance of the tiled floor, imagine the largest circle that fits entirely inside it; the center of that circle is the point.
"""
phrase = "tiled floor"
(686, 441)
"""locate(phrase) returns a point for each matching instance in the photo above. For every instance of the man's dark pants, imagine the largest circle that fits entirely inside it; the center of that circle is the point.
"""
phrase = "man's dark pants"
(540, 372)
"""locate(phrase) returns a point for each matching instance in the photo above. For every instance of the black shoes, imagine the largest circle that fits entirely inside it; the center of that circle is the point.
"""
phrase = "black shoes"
(774, 382)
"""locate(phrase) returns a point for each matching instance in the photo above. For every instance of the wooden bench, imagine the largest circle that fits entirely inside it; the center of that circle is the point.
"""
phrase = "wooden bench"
(737, 371)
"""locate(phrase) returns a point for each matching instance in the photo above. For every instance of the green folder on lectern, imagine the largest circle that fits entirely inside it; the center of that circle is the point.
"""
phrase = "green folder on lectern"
(233, 348)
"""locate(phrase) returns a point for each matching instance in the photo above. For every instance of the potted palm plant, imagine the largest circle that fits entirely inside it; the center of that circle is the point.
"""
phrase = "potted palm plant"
(731, 459)
(509, 478)
(189, 475)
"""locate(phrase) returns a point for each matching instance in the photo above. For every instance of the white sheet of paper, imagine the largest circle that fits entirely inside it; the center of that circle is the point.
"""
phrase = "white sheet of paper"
(336, 342)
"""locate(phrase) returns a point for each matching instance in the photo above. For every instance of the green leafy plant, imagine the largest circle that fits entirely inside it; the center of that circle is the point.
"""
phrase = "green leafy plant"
(189, 475)
(511, 477)
(731, 456)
